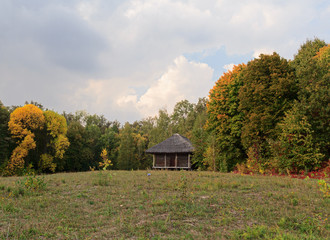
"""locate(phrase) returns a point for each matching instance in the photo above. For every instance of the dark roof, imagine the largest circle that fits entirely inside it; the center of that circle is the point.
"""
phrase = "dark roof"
(174, 144)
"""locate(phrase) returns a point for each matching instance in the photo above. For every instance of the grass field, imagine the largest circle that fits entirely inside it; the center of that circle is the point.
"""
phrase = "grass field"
(163, 205)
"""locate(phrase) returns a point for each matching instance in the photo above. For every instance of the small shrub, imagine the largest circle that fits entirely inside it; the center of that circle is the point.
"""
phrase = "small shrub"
(106, 163)
(32, 183)
(324, 188)
(294, 201)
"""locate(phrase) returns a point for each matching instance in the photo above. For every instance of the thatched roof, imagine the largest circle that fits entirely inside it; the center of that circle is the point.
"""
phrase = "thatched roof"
(174, 144)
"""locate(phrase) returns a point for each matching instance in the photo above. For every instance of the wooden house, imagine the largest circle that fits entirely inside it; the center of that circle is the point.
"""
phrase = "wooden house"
(173, 153)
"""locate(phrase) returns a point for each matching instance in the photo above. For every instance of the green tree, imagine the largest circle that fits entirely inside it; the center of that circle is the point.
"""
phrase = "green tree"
(110, 141)
(312, 69)
(90, 134)
(162, 129)
(268, 91)
(295, 149)
(199, 134)
(126, 151)
(180, 116)
(303, 59)
(92, 137)
(211, 155)
(225, 121)
(4, 134)
(79, 156)
(141, 144)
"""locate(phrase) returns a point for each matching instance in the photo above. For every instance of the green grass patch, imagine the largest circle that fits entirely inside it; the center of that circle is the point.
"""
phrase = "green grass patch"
(164, 205)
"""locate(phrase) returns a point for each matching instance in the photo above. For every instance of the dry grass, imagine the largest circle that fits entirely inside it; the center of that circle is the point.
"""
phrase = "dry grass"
(164, 205)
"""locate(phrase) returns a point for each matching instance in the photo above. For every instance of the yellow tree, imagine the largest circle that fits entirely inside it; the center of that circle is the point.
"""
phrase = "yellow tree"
(24, 121)
(57, 142)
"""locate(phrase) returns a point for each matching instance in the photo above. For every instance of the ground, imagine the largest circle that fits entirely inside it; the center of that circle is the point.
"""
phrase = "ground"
(162, 205)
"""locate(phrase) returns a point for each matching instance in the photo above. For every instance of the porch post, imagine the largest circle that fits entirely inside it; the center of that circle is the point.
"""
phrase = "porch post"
(188, 160)
(176, 160)
(165, 161)
(153, 160)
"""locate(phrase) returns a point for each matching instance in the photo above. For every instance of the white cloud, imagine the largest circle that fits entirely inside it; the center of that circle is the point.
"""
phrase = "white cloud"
(71, 55)
(182, 80)
(229, 67)
(262, 51)
(100, 96)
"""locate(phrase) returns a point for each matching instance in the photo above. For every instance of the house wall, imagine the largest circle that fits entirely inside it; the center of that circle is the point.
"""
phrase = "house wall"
(182, 160)
(159, 160)
(172, 160)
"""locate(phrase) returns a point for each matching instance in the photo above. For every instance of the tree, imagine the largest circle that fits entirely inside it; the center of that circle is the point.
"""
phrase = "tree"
(23, 124)
(42, 139)
(295, 149)
(313, 76)
(225, 121)
(141, 144)
(110, 141)
(320, 102)
(56, 141)
(79, 156)
(162, 129)
(92, 138)
(199, 134)
(211, 155)
(182, 110)
(304, 58)
(100, 121)
(126, 151)
(4, 134)
(268, 91)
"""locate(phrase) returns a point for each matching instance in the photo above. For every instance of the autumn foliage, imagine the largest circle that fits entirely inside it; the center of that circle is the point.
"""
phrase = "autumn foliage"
(224, 119)
(275, 113)
(57, 142)
(29, 123)
(24, 121)
(270, 115)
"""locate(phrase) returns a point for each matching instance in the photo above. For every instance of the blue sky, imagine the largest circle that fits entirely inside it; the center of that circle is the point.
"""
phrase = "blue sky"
(127, 59)
(218, 59)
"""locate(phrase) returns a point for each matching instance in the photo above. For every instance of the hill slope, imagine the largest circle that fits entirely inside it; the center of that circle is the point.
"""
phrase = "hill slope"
(161, 205)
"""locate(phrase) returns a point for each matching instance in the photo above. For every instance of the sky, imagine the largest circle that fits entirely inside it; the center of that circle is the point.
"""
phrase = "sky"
(128, 59)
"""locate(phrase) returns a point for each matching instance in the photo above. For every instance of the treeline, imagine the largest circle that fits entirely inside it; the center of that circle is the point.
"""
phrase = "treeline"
(269, 115)
(37, 139)
(272, 115)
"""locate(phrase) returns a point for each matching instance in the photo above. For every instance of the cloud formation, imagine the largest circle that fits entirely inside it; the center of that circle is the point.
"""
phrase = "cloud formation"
(124, 59)
(182, 80)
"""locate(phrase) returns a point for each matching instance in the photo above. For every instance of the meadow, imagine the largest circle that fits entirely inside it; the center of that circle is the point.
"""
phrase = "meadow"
(162, 205)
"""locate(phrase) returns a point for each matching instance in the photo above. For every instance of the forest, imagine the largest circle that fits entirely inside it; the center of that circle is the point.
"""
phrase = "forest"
(270, 115)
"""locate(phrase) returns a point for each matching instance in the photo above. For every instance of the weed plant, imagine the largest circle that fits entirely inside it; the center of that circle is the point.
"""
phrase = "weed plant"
(32, 183)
